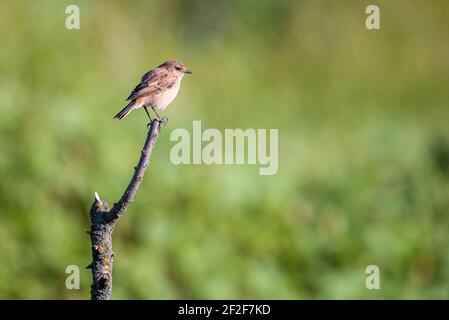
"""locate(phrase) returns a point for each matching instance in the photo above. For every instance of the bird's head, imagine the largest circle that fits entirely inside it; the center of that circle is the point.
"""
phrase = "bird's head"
(176, 67)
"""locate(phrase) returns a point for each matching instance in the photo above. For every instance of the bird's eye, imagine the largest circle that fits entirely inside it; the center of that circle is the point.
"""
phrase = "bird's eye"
(178, 68)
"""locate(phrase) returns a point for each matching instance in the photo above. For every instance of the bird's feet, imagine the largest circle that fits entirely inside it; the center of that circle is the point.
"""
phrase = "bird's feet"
(163, 120)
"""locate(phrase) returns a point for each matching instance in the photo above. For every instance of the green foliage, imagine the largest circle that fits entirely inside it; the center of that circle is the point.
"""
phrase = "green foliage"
(364, 148)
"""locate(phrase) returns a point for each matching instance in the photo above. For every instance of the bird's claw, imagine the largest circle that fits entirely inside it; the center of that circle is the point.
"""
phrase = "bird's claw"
(163, 120)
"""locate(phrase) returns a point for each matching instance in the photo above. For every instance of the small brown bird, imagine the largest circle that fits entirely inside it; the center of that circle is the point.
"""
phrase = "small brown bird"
(157, 89)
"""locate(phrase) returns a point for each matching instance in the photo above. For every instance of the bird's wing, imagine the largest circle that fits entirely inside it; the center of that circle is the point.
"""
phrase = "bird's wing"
(152, 82)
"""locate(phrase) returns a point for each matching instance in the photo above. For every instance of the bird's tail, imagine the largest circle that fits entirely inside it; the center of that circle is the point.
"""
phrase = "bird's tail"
(125, 111)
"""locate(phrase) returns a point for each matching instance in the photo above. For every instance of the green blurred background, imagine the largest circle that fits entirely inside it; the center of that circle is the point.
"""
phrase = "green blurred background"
(363, 148)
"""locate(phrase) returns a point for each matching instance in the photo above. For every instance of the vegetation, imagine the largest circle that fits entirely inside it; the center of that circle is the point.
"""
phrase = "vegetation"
(363, 148)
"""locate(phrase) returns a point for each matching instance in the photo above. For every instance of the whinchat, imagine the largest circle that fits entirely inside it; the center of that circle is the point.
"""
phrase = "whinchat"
(157, 89)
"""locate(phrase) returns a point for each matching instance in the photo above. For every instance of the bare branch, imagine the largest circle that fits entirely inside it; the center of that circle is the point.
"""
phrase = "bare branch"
(103, 221)
(120, 207)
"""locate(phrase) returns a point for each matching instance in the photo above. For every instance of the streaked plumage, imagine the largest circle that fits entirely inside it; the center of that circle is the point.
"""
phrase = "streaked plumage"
(157, 88)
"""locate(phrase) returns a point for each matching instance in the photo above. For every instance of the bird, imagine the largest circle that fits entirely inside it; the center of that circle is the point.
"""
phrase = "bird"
(157, 89)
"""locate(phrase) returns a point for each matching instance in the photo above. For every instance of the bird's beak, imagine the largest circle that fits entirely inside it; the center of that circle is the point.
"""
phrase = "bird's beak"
(188, 71)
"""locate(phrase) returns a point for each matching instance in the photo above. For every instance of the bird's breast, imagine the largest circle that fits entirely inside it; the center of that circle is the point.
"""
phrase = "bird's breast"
(161, 100)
